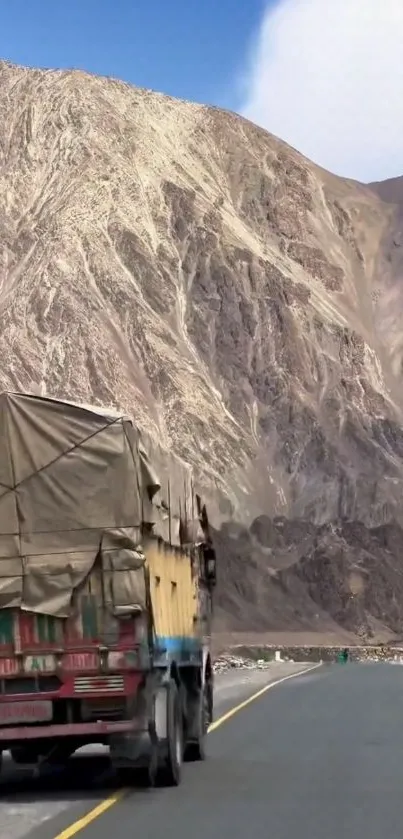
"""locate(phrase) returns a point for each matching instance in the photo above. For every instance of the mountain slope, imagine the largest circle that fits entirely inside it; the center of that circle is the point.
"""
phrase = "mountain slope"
(182, 263)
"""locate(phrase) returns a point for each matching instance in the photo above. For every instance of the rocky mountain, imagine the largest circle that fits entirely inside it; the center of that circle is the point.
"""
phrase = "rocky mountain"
(245, 305)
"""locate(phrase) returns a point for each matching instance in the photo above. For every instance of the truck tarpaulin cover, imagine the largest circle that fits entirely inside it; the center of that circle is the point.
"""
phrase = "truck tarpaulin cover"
(76, 483)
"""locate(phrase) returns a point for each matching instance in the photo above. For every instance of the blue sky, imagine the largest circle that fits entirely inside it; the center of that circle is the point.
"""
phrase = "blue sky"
(194, 49)
(302, 69)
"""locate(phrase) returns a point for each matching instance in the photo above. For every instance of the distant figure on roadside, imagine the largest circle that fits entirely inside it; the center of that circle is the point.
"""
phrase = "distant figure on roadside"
(345, 655)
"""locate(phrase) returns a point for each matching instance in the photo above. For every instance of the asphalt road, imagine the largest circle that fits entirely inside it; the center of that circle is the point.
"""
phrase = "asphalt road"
(46, 806)
(317, 757)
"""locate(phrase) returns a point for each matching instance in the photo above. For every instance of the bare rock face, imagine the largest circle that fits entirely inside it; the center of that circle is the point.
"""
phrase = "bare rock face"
(241, 303)
(295, 575)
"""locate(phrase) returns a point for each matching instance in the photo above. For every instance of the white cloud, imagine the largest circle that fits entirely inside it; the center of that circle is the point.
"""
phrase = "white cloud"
(327, 77)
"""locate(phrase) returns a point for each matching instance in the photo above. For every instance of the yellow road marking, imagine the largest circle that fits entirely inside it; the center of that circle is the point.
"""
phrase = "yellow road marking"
(117, 796)
(254, 696)
(92, 815)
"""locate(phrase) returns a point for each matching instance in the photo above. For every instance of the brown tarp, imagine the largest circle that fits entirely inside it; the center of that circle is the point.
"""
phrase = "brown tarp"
(171, 487)
(76, 484)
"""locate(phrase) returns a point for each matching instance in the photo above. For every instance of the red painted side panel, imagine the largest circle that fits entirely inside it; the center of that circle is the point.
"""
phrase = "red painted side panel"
(74, 685)
(91, 625)
(88, 656)
(90, 729)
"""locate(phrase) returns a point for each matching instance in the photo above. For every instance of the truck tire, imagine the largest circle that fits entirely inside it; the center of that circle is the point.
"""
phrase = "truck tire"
(200, 717)
(170, 766)
(141, 777)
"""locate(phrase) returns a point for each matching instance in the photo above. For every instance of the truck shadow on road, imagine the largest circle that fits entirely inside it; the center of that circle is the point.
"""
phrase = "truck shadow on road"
(84, 777)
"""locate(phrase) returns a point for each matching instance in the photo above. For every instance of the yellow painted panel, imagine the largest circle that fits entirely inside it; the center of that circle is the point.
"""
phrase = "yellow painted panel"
(173, 590)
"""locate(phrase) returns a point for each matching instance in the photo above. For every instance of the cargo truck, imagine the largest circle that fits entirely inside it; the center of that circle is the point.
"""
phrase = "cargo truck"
(107, 573)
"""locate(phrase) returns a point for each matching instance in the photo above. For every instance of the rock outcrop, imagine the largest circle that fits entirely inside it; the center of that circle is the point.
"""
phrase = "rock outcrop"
(243, 304)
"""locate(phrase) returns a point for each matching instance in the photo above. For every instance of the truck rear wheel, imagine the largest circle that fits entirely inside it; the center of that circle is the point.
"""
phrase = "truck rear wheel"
(199, 721)
(141, 777)
(170, 766)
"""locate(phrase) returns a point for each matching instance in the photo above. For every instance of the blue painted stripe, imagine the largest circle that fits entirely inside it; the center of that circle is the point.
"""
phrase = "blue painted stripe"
(179, 645)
